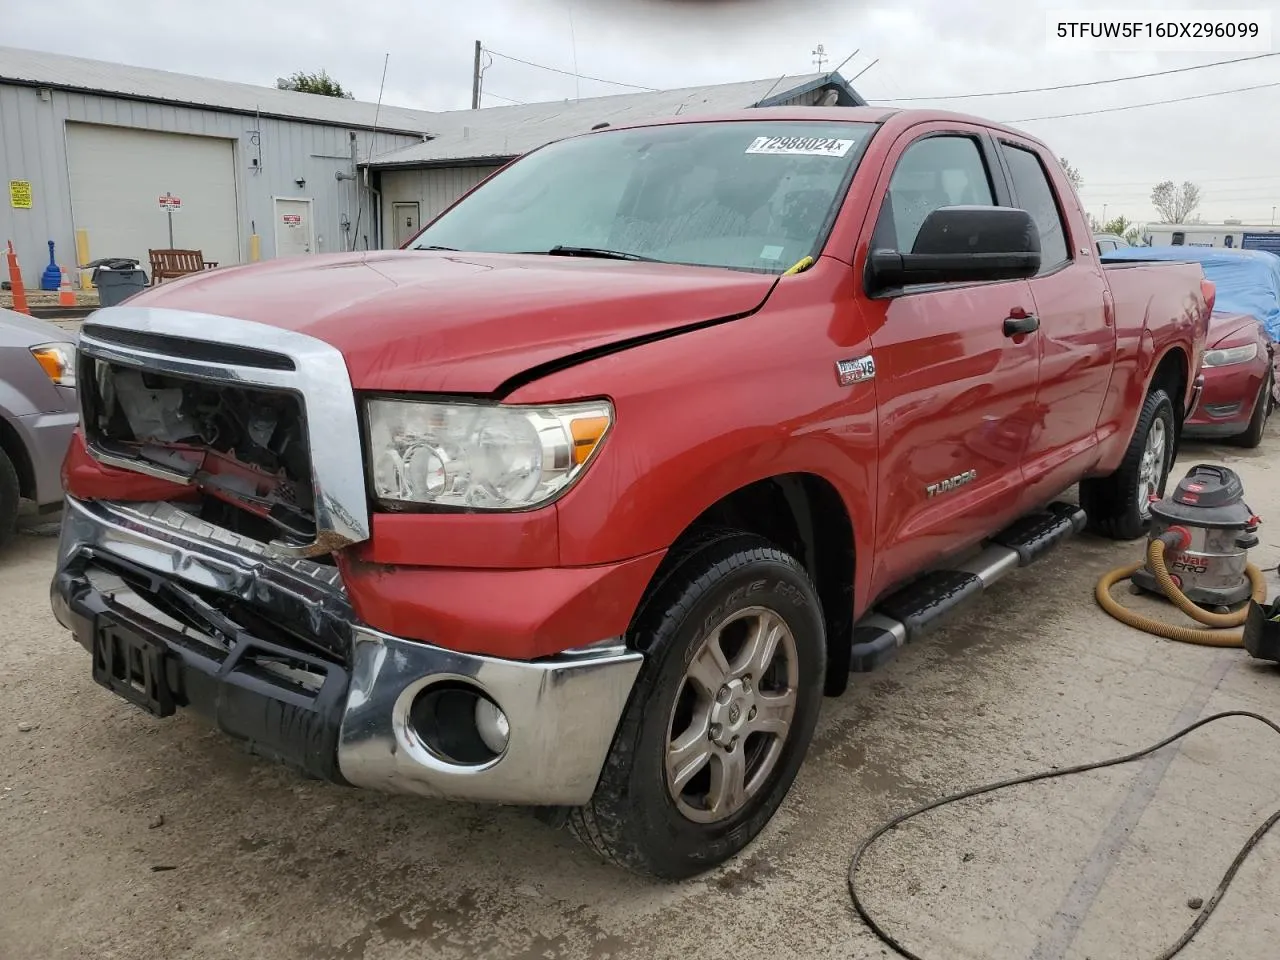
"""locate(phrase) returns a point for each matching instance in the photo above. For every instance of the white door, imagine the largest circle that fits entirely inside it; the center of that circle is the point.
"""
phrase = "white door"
(406, 218)
(118, 175)
(294, 229)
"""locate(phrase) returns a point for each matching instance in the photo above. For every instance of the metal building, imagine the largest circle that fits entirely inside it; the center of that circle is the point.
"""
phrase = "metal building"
(104, 159)
(418, 182)
(92, 147)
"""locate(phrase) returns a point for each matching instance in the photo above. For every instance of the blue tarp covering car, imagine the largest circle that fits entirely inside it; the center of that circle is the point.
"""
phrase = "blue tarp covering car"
(1247, 281)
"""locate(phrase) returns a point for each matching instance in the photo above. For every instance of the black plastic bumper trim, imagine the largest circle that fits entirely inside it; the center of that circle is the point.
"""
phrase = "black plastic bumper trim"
(271, 717)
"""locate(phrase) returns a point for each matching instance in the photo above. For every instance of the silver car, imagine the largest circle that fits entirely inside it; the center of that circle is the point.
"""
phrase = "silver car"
(38, 413)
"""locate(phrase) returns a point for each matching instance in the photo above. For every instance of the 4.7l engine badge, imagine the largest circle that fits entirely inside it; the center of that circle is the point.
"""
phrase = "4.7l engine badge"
(849, 372)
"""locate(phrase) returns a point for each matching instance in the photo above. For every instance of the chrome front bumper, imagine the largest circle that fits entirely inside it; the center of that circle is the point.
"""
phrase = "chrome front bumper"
(353, 724)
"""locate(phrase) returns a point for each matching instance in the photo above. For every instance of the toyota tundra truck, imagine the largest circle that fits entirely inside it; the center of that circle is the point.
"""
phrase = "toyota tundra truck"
(584, 499)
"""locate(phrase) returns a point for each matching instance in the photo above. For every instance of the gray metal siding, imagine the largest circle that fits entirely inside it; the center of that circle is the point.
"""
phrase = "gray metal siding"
(434, 189)
(33, 147)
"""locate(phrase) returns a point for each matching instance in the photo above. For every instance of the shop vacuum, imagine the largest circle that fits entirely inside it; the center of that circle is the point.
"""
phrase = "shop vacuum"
(1198, 558)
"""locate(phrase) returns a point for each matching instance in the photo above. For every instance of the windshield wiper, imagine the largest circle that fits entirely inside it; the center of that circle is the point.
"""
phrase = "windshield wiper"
(560, 250)
(451, 249)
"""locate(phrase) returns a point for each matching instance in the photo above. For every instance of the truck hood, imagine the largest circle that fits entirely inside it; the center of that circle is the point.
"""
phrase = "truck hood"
(463, 323)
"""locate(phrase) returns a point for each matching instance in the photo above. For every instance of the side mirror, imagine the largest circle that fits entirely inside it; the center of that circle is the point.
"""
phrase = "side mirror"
(961, 245)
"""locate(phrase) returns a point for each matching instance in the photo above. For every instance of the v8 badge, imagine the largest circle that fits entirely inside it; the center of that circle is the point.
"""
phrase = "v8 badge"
(849, 372)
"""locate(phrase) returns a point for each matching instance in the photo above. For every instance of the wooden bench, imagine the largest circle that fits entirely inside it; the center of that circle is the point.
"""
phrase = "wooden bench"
(168, 264)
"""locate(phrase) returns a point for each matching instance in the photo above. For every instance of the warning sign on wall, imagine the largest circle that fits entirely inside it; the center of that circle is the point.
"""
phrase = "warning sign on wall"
(170, 203)
(291, 219)
(20, 194)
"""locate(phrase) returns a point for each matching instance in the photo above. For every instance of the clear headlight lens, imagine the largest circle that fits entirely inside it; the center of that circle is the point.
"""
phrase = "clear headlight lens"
(1230, 355)
(58, 361)
(480, 456)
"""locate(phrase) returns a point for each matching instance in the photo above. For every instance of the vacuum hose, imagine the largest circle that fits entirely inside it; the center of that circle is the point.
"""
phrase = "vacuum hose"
(1217, 637)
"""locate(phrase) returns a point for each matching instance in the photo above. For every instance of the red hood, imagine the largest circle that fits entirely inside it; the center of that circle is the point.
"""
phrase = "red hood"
(462, 323)
(1226, 326)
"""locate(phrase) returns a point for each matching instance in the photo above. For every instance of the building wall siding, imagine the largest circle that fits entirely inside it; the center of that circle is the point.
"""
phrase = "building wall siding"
(33, 147)
(434, 189)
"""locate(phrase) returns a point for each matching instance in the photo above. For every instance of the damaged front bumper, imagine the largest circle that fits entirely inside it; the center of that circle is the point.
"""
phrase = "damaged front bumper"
(178, 613)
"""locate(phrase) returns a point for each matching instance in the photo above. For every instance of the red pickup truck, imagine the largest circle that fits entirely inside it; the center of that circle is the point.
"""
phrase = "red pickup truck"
(584, 499)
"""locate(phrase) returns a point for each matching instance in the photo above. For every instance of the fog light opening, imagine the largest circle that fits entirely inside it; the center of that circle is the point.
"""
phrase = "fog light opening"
(459, 724)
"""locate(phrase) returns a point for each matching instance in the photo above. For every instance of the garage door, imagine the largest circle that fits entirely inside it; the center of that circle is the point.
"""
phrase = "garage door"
(118, 175)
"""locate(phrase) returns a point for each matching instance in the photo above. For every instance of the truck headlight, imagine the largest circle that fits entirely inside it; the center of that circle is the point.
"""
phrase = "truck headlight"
(480, 456)
(1229, 355)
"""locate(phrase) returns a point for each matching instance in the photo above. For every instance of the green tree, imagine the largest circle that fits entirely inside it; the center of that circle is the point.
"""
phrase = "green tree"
(1122, 226)
(319, 83)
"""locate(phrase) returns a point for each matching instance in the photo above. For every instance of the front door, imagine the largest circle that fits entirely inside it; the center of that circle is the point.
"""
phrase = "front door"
(1077, 333)
(956, 395)
(405, 215)
(294, 229)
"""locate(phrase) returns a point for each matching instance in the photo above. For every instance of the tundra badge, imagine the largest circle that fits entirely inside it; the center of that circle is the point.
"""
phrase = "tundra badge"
(849, 372)
(949, 484)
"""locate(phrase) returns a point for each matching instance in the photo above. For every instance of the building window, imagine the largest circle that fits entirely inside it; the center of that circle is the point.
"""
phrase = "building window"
(1179, 239)
(1230, 241)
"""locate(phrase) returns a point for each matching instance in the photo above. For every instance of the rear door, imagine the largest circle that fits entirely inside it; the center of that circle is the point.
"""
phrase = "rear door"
(1076, 340)
(956, 396)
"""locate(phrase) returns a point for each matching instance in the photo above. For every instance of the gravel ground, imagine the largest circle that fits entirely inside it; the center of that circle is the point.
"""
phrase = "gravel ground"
(126, 837)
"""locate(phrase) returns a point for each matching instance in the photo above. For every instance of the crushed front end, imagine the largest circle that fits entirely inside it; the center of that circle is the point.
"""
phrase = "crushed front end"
(217, 480)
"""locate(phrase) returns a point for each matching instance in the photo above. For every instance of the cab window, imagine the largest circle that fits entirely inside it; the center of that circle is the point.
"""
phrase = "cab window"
(1034, 193)
(933, 172)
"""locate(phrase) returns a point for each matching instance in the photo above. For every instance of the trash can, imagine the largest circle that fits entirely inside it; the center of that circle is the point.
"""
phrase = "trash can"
(117, 280)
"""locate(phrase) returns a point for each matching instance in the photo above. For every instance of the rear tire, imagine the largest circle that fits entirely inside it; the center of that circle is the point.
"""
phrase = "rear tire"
(712, 738)
(9, 497)
(1118, 506)
(1252, 437)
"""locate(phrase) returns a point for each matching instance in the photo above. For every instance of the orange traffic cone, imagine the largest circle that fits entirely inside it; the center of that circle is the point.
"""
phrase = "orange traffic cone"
(15, 281)
(66, 296)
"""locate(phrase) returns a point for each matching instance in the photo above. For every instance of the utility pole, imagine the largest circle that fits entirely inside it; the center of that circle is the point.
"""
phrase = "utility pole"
(475, 80)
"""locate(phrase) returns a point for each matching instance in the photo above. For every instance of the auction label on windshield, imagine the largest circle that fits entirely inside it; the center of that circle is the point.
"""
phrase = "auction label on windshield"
(801, 146)
(1154, 30)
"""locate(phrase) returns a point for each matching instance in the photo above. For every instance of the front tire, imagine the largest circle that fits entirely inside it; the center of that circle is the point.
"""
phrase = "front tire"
(1119, 506)
(9, 499)
(721, 715)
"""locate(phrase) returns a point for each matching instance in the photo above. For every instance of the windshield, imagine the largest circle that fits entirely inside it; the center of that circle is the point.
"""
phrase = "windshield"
(745, 195)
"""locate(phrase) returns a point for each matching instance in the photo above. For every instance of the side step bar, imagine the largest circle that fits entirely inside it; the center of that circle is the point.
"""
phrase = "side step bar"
(913, 610)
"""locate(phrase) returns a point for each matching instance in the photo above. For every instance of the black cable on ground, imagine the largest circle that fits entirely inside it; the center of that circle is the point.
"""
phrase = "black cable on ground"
(1191, 931)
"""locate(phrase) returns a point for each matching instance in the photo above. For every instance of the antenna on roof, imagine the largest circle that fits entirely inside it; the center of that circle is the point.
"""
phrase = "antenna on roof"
(864, 69)
(373, 139)
(846, 60)
(770, 93)
(573, 42)
(819, 56)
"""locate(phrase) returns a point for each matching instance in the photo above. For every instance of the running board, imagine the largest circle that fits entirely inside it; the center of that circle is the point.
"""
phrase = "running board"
(914, 610)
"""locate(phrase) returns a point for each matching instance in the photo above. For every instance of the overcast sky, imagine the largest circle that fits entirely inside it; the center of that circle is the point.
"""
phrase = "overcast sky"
(1230, 145)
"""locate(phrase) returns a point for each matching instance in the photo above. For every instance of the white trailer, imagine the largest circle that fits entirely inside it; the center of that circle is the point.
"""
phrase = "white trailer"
(1230, 233)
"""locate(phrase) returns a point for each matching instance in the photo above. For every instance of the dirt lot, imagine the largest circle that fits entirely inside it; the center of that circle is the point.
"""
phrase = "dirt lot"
(126, 837)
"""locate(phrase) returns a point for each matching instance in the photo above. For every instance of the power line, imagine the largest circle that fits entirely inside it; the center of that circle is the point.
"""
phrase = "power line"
(569, 73)
(498, 96)
(1152, 103)
(1076, 86)
(1139, 183)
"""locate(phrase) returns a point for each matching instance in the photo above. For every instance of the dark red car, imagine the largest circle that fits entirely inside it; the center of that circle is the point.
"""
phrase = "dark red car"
(1238, 365)
(1238, 376)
